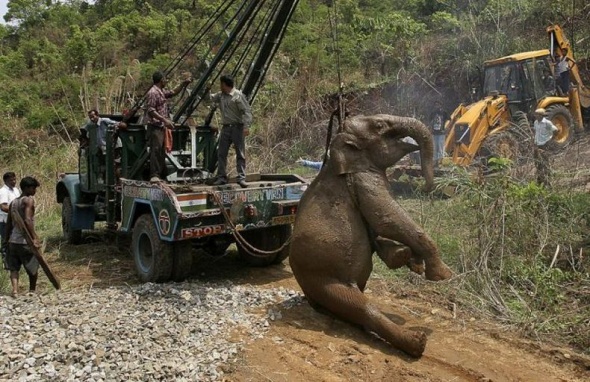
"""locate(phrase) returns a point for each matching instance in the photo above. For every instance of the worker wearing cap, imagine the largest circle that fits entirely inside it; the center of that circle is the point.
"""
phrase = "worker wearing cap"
(544, 132)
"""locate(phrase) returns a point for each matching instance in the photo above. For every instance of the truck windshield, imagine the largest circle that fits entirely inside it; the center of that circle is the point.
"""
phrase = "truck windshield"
(503, 79)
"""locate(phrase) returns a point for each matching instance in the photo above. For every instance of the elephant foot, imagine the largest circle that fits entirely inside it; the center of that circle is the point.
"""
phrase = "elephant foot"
(415, 345)
(416, 265)
(395, 256)
(398, 255)
(437, 271)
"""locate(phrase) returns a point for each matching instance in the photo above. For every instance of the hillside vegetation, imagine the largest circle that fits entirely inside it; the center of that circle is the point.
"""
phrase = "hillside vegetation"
(519, 249)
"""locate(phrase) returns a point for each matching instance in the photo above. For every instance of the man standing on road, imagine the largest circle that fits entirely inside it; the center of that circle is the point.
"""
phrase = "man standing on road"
(8, 193)
(437, 125)
(19, 253)
(544, 132)
(236, 118)
(158, 120)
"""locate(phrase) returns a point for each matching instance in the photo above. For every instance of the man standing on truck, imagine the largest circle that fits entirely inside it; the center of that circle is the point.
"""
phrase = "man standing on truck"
(19, 253)
(158, 120)
(102, 125)
(236, 118)
(544, 132)
(8, 193)
(437, 126)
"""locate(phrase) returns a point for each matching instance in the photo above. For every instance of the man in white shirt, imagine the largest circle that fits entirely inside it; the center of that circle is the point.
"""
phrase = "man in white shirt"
(8, 193)
(544, 129)
(544, 132)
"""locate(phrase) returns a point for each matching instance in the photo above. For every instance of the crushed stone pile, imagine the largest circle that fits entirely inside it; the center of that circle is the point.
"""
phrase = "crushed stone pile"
(150, 332)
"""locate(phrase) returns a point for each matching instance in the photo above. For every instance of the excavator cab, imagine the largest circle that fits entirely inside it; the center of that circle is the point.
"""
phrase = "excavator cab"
(524, 79)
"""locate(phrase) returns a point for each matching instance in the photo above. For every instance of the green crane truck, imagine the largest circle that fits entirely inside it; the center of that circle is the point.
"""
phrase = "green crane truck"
(167, 220)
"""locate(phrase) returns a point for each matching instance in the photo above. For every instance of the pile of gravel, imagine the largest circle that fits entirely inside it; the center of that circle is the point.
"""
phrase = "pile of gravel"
(148, 332)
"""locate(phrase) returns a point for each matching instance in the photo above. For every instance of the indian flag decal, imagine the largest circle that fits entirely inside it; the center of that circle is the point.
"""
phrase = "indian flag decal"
(192, 202)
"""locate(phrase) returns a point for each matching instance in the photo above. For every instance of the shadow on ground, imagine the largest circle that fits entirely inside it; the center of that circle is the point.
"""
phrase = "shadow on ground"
(104, 259)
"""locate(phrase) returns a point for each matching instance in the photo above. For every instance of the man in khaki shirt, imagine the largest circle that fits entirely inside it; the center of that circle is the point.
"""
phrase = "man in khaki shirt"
(236, 118)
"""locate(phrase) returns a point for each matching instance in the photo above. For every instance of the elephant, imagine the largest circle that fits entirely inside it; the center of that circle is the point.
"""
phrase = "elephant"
(348, 212)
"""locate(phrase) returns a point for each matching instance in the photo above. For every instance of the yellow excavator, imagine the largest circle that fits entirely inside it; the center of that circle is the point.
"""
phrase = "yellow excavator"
(516, 86)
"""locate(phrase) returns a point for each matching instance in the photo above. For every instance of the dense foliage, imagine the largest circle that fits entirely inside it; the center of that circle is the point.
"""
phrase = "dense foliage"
(60, 57)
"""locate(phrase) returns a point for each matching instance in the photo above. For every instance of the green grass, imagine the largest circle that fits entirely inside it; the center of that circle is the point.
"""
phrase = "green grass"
(501, 237)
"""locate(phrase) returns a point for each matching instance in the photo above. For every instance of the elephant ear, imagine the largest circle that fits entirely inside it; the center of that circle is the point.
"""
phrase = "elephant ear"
(346, 155)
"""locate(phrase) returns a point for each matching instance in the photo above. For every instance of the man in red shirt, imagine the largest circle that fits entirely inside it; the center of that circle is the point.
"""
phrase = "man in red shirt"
(158, 119)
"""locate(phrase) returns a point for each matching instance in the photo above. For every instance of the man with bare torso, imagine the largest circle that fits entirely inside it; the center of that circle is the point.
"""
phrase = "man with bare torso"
(19, 253)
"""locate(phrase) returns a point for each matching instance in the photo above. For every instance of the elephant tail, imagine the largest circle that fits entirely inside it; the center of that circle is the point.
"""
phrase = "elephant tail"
(348, 303)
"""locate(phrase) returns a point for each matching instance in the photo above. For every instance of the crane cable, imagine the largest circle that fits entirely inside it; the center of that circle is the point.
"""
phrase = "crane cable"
(334, 28)
(339, 112)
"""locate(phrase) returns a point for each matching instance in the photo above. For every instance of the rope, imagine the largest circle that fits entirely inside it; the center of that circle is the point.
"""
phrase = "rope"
(251, 250)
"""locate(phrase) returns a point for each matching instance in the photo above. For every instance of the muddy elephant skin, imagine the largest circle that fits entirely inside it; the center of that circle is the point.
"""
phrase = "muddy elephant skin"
(347, 213)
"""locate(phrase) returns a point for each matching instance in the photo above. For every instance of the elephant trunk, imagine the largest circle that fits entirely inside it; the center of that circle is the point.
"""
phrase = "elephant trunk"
(426, 144)
(421, 134)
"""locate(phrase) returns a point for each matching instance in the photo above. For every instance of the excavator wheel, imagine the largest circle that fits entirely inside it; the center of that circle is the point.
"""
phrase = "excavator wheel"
(514, 143)
(563, 120)
(501, 145)
(523, 131)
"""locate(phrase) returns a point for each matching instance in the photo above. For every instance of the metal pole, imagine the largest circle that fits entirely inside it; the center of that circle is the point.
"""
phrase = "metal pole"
(193, 130)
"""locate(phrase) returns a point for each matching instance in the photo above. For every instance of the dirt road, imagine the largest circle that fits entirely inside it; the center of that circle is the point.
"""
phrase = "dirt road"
(303, 345)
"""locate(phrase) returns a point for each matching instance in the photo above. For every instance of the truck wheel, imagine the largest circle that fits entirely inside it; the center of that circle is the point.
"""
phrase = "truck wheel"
(153, 257)
(563, 120)
(183, 260)
(266, 239)
(72, 236)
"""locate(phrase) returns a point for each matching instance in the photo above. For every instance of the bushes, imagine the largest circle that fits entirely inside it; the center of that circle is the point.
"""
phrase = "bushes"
(520, 254)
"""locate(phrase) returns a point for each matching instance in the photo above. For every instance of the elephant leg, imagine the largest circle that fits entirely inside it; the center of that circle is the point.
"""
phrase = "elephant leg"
(400, 227)
(348, 303)
(386, 218)
(396, 255)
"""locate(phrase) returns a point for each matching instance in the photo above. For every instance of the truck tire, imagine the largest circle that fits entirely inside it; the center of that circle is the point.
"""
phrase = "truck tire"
(266, 239)
(182, 263)
(562, 118)
(153, 257)
(72, 236)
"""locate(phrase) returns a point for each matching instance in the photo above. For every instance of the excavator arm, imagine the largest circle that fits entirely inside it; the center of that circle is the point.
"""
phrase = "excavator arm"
(557, 40)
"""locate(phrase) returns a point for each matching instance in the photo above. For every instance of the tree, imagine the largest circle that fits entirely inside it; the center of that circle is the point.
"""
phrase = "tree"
(26, 11)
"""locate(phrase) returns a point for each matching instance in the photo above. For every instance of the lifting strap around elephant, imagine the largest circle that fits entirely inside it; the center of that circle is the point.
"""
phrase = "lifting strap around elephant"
(249, 248)
(329, 134)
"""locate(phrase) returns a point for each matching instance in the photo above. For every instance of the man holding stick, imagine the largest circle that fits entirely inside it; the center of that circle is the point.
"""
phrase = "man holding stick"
(19, 252)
